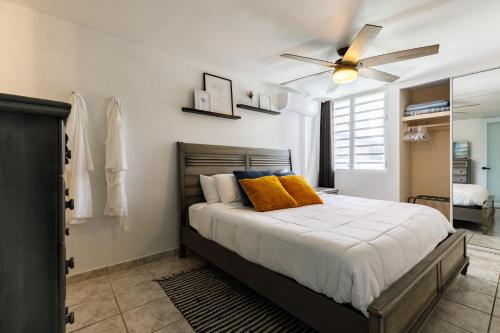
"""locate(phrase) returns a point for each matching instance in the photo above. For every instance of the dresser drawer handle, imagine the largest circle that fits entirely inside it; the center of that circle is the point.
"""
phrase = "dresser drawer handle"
(70, 318)
(70, 204)
(70, 263)
(66, 231)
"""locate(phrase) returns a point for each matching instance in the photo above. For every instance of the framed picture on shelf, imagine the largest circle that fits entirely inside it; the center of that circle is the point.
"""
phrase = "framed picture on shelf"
(265, 102)
(221, 93)
(202, 100)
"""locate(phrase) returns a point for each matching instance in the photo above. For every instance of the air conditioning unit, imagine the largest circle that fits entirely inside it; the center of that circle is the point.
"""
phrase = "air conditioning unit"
(299, 104)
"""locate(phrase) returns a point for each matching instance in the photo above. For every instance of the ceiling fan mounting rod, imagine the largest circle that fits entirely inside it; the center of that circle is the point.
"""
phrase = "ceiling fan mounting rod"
(342, 51)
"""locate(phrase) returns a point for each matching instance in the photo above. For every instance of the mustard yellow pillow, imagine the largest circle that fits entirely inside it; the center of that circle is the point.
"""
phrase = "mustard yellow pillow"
(300, 190)
(267, 193)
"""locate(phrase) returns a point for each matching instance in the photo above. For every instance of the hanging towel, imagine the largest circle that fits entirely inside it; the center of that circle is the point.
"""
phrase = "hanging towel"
(77, 171)
(116, 164)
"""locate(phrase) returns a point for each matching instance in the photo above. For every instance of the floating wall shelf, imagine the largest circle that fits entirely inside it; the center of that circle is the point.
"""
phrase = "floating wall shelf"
(256, 109)
(209, 113)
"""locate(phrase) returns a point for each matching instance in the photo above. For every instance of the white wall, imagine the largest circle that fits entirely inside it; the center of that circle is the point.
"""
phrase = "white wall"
(471, 130)
(309, 147)
(47, 57)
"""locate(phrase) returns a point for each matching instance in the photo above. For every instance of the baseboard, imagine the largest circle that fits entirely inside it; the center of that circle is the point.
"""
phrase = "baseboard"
(101, 271)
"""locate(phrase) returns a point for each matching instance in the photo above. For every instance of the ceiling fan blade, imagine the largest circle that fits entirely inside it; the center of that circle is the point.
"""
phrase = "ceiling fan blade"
(361, 43)
(297, 91)
(309, 60)
(304, 77)
(465, 106)
(374, 74)
(332, 86)
(399, 56)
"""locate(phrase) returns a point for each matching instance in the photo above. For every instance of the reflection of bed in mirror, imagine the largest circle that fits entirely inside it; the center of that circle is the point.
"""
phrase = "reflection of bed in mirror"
(473, 203)
(476, 158)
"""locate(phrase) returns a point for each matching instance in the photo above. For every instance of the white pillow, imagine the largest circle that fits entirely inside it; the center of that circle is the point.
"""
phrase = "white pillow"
(209, 189)
(227, 185)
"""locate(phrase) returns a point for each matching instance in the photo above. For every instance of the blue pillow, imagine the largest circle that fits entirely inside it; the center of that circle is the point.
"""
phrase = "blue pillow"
(249, 175)
(284, 173)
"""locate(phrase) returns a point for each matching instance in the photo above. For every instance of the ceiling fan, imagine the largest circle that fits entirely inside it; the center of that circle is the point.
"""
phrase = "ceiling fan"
(350, 64)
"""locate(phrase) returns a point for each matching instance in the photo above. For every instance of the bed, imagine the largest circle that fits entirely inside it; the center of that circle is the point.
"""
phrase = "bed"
(473, 203)
(404, 300)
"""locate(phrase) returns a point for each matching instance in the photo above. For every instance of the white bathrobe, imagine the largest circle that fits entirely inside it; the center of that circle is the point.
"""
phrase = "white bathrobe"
(116, 164)
(77, 171)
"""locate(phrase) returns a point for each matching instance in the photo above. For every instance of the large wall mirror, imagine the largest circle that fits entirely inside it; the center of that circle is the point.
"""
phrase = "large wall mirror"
(476, 150)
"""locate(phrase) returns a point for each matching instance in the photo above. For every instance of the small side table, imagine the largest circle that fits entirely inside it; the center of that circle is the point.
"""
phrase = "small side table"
(327, 190)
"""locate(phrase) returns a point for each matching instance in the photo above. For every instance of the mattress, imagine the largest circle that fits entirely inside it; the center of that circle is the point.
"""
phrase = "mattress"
(469, 195)
(194, 214)
(196, 210)
(349, 249)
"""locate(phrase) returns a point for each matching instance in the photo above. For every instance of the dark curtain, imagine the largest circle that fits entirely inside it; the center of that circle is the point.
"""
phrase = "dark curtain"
(326, 174)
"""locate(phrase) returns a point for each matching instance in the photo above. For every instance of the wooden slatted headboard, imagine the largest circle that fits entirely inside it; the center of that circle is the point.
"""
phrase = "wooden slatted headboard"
(196, 159)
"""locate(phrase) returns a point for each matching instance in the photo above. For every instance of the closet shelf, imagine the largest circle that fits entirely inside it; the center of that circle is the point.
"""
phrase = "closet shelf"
(435, 115)
(256, 109)
(209, 113)
(431, 125)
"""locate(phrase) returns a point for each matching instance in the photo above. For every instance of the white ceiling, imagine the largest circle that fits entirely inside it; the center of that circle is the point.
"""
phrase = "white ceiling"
(477, 95)
(246, 37)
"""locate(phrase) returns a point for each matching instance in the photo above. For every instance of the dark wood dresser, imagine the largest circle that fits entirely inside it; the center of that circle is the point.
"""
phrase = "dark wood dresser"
(462, 171)
(33, 263)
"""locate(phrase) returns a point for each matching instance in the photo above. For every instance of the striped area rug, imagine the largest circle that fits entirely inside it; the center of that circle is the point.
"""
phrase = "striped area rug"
(213, 301)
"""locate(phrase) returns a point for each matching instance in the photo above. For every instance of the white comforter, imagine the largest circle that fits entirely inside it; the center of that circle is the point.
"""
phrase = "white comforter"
(469, 194)
(350, 249)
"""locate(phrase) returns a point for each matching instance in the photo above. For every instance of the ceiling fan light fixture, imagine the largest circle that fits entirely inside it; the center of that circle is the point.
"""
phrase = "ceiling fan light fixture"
(345, 74)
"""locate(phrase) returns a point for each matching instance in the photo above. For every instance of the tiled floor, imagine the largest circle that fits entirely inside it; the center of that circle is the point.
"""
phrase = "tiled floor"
(128, 300)
(472, 304)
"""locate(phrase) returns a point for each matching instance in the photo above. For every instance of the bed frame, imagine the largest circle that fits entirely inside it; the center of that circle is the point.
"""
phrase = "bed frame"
(403, 307)
(484, 214)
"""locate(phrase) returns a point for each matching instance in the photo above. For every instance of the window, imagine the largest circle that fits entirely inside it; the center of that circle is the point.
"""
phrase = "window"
(342, 134)
(359, 132)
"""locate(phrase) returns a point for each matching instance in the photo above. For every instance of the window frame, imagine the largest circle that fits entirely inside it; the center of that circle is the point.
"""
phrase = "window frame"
(352, 99)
